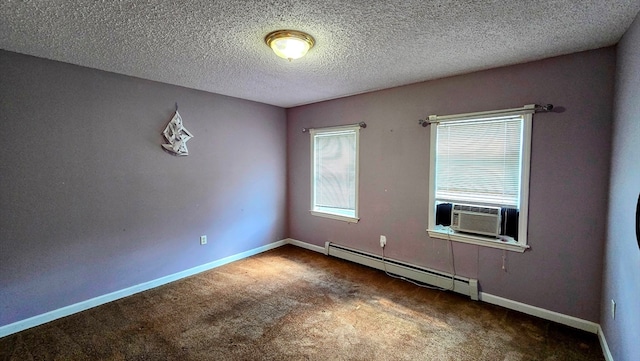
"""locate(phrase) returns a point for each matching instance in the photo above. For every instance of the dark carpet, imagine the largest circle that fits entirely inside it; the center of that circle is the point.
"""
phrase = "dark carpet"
(294, 304)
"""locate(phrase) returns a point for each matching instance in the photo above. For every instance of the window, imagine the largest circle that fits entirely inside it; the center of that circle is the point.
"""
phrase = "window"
(480, 163)
(334, 172)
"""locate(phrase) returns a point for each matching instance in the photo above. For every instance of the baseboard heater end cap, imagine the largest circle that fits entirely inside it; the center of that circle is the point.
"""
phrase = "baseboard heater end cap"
(473, 289)
(326, 248)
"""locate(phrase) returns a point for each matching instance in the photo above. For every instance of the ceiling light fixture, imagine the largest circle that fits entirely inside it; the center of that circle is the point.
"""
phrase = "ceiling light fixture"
(289, 44)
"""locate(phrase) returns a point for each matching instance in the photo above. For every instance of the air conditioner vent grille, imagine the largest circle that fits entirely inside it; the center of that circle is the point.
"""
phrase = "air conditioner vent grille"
(476, 209)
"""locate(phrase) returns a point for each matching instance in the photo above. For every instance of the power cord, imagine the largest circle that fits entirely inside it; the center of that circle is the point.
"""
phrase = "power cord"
(451, 263)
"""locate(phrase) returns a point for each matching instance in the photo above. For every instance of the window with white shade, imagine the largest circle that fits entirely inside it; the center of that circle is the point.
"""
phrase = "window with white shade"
(334, 172)
(480, 168)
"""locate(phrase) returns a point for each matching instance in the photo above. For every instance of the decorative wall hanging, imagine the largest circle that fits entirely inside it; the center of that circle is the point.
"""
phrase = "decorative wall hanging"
(177, 135)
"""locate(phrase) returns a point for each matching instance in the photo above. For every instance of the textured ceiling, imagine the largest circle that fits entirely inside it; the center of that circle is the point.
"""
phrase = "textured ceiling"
(361, 45)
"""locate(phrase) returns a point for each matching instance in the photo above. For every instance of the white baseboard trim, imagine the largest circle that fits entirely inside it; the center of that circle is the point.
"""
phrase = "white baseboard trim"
(541, 313)
(305, 245)
(603, 344)
(37, 320)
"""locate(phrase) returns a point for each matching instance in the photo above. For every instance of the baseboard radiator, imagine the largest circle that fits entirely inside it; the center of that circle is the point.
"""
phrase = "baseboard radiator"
(462, 285)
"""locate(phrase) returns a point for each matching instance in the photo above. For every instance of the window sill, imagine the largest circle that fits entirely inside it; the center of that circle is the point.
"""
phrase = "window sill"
(337, 217)
(477, 240)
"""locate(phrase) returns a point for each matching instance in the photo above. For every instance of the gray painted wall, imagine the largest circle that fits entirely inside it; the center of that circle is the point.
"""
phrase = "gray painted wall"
(90, 204)
(569, 177)
(622, 256)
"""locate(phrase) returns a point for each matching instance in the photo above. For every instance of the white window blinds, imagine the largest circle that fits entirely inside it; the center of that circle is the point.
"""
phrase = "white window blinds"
(479, 161)
(335, 172)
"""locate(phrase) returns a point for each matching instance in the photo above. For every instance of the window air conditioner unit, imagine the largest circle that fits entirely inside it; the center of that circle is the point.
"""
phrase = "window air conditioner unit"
(476, 219)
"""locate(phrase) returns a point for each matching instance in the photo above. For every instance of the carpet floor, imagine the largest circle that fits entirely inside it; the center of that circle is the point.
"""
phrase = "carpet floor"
(294, 304)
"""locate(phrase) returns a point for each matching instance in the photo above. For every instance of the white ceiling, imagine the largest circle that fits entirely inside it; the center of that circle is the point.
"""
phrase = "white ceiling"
(361, 45)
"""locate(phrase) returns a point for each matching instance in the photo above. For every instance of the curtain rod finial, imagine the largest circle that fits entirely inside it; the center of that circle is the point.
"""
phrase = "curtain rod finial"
(545, 107)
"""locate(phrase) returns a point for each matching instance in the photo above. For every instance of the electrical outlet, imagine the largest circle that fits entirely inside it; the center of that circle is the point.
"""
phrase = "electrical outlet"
(203, 240)
(383, 241)
(613, 309)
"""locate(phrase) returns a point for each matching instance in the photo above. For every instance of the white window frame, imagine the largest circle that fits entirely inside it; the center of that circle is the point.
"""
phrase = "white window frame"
(327, 212)
(511, 245)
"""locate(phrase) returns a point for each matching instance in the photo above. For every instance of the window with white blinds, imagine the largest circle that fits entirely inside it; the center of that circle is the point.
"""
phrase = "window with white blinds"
(479, 161)
(482, 160)
(334, 188)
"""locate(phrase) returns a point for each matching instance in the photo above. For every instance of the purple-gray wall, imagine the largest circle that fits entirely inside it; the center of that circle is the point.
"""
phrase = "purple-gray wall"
(621, 281)
(570, 162)
(90, 203)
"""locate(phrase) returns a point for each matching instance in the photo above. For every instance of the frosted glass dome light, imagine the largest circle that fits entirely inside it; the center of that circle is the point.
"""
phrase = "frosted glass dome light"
(289, 44)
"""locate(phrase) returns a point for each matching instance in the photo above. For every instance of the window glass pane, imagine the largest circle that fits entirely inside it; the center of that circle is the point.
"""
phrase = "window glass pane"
(335, 171)
(479, 161)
